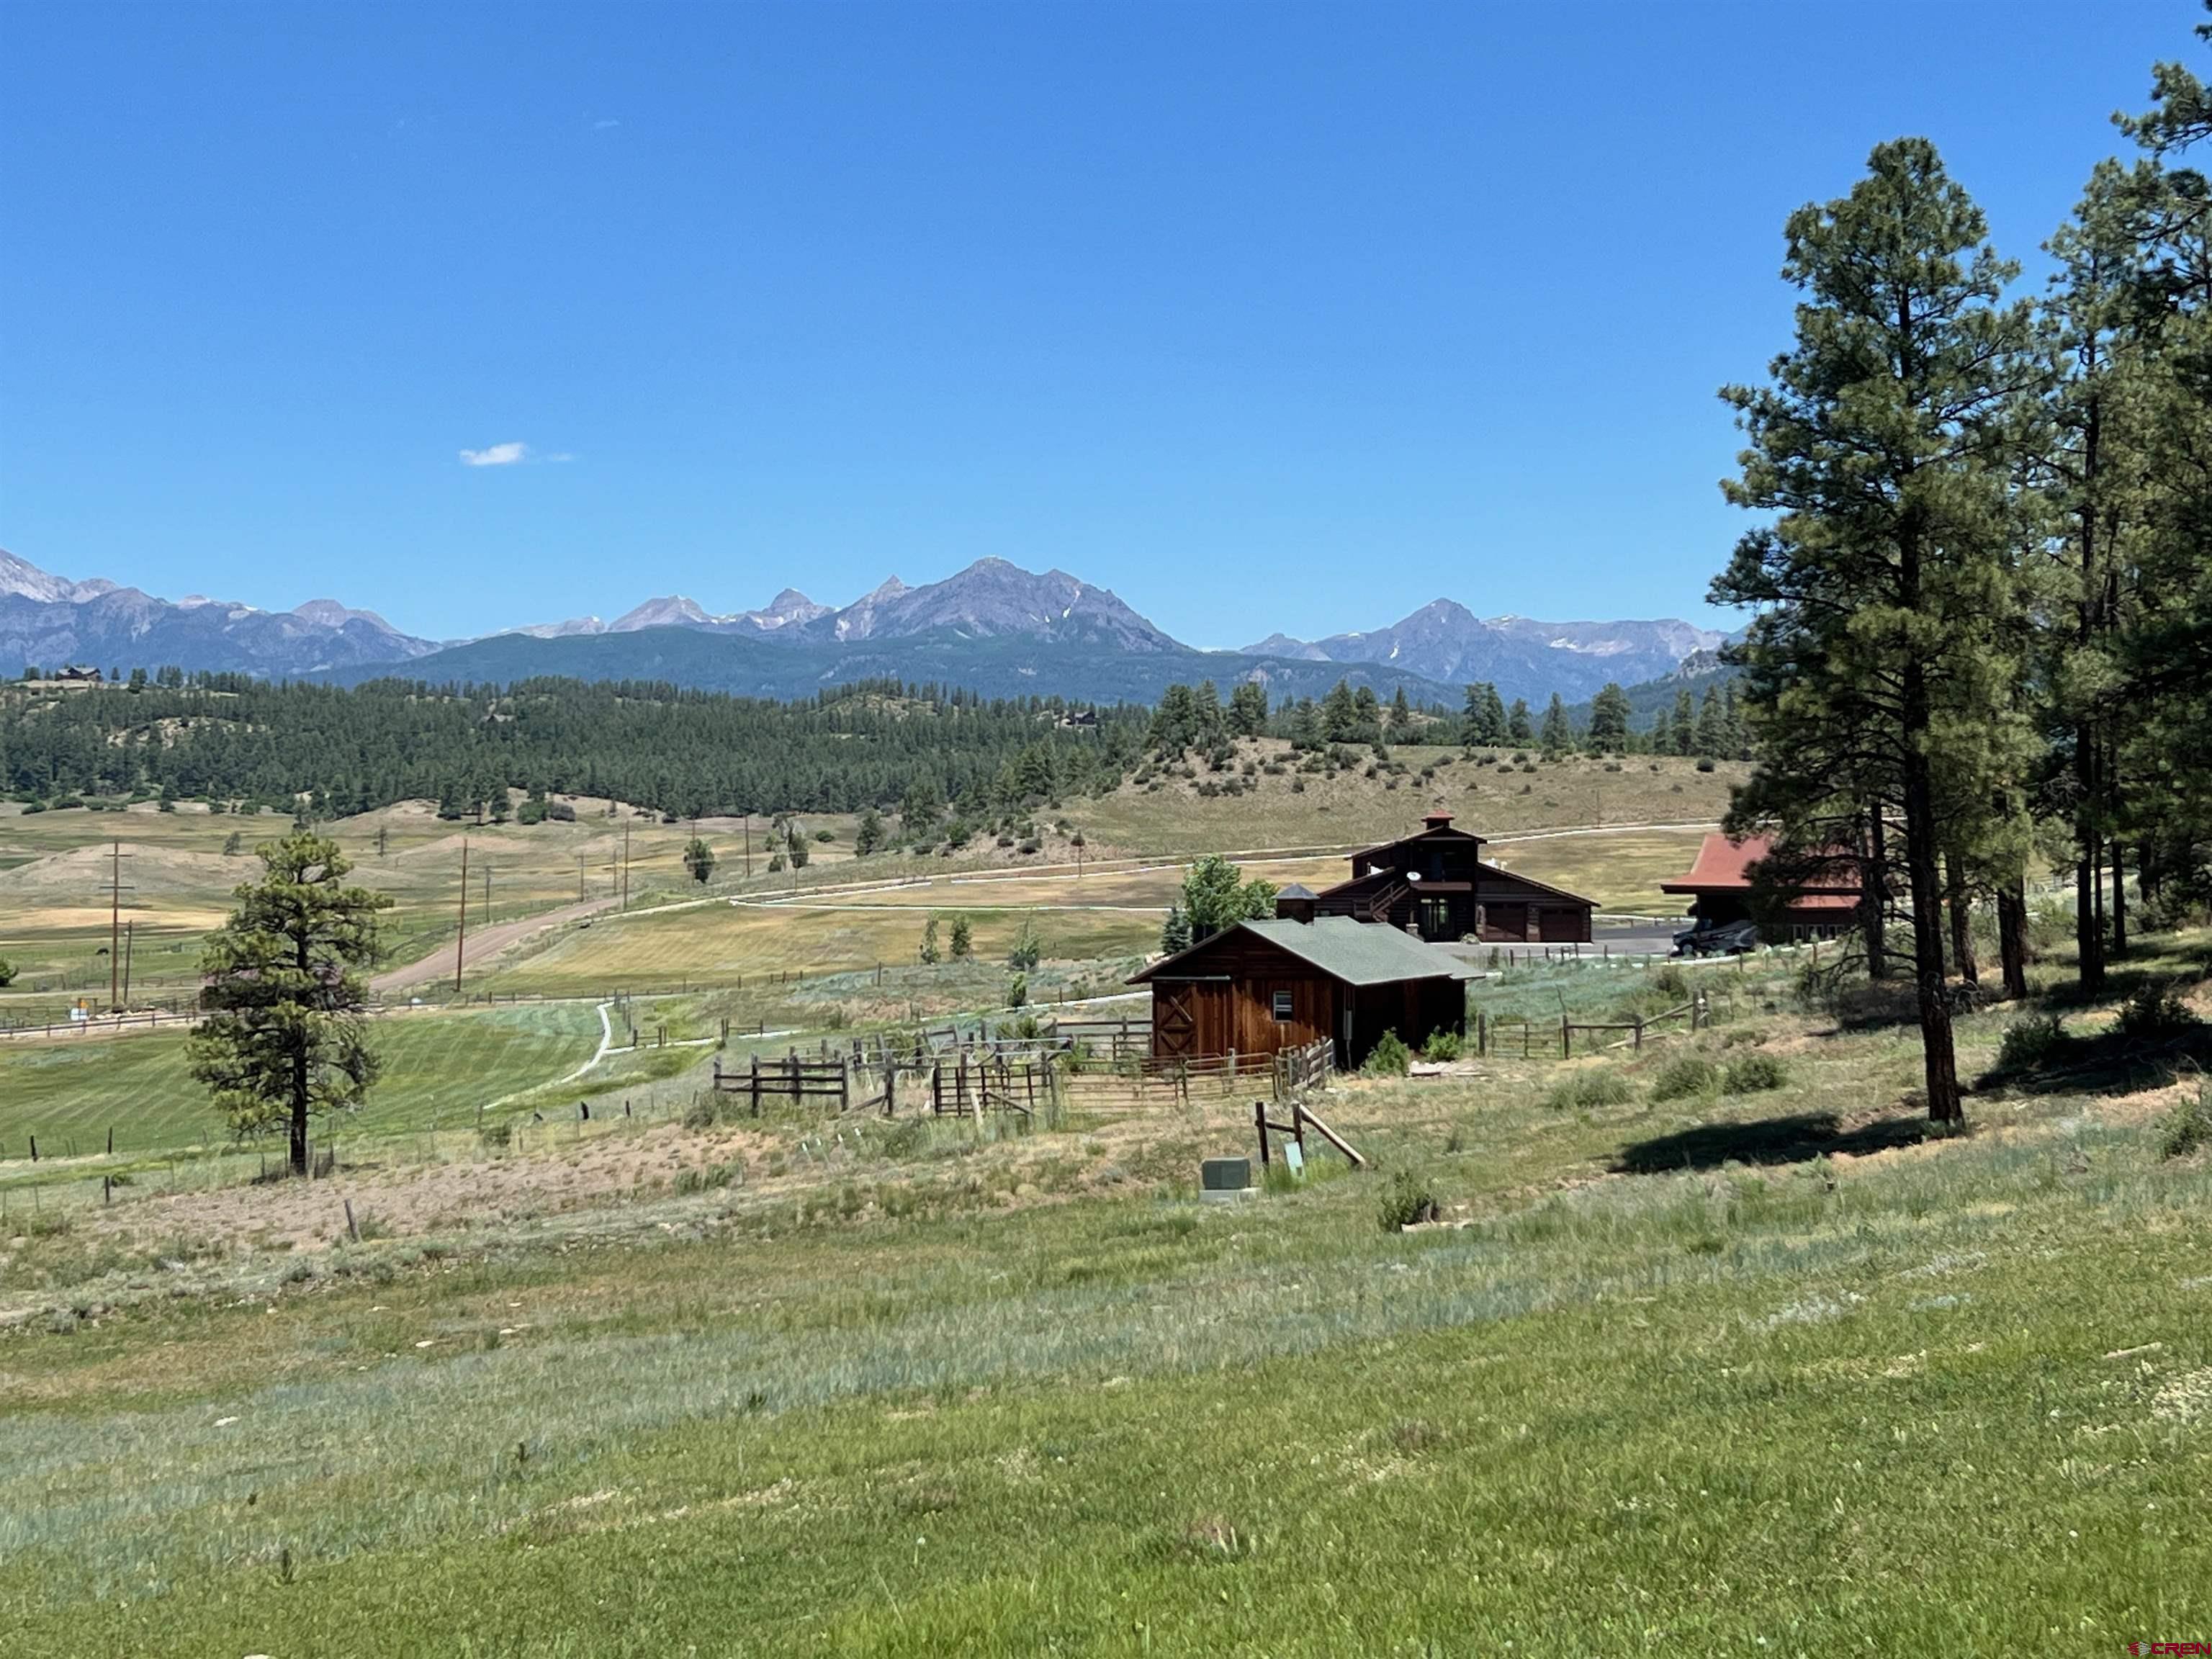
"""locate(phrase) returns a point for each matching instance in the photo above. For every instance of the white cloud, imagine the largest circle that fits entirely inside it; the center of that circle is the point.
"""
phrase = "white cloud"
(497, 455)
(603, 125)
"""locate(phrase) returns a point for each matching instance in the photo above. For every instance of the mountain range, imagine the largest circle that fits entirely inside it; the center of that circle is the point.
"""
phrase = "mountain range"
(47, 619)
(993, 627)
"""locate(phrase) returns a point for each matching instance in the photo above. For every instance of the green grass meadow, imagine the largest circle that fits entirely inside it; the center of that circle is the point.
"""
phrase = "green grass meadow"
(1959, 1405)
(438, 1066)
(1757, 1365)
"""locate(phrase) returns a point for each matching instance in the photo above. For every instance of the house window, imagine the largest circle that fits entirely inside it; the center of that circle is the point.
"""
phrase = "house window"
(1283, 1007)
(1436, 918)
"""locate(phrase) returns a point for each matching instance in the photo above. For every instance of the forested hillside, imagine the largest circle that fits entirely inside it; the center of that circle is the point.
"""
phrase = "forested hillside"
(232, 738)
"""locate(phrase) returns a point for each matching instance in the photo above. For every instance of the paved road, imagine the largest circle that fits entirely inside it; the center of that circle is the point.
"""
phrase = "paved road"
(1615, 939)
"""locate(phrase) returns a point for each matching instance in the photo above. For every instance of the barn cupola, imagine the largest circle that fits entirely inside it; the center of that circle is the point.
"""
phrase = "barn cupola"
(1295, 903)
(1439, 819)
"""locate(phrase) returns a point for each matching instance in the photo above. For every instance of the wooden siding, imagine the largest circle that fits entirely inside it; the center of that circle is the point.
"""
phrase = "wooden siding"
(1222, 999)
(1195, 1017)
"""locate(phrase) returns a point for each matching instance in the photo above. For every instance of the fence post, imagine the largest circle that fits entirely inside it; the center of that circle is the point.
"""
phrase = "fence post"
(756, 1086)
(1566, 1039)
(1260, 1122)
(1640, 1035)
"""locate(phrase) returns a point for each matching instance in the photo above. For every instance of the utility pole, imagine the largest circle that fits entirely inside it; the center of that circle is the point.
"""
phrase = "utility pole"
(748, 821)
(118, 982)
(581, 892)
(461, 940)
(625, 867)
(486, 904)
(127, 926)
(114, 923)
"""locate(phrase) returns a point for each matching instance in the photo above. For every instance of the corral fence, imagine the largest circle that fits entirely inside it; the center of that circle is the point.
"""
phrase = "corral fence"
(886, 1074)
(1502, 1036)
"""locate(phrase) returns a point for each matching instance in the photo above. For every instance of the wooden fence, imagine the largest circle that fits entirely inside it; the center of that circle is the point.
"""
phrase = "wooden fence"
(1494, 1034)
(883, 1073)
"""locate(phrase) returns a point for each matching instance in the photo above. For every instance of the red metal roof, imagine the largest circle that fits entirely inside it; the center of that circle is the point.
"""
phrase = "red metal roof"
(1724, 867)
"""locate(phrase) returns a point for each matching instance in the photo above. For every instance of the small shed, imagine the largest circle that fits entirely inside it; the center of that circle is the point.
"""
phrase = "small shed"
(1297, 978)
(1726, 884)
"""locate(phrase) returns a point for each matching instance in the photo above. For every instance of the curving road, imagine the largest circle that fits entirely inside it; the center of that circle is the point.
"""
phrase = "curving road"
(484, 944)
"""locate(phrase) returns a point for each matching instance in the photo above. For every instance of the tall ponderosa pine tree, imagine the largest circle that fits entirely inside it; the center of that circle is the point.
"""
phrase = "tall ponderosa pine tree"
(2093, 312)
(1558, 731)
(2164, 755)
(1483, 723)
(283, 1037)
(1608, 726)
(1886, 446)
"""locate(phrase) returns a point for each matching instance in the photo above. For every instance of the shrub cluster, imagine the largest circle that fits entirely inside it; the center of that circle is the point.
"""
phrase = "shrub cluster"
(1686, 1075)
(1389, 1058)
(2029, 1042)
(2189, 1126)
(1406, 1201)
(1748, 1074)
(1586, 1090)
(2154, 1013)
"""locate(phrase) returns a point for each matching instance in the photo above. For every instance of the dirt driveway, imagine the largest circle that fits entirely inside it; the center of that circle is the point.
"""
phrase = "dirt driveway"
(484, 944)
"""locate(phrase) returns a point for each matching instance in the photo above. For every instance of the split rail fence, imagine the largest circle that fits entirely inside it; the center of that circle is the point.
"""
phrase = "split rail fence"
(1503, 1037)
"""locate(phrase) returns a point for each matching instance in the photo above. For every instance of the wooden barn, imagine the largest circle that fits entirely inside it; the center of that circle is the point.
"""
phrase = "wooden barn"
(1435, 886)
(1297, 978)
(1723, 886)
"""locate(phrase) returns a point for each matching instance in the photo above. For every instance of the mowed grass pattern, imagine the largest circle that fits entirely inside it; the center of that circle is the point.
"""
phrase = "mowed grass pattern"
(437, 1067)
(717, 944)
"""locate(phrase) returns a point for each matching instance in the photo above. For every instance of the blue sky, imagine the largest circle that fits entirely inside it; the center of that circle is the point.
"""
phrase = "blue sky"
(1264, 316)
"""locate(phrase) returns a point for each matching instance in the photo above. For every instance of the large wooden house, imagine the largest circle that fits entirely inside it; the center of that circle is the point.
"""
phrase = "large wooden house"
(1727, 885)
(1435, 886)
(1295, 979)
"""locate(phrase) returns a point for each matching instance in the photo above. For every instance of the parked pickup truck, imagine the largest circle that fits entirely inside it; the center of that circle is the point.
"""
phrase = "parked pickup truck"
(1728, 939)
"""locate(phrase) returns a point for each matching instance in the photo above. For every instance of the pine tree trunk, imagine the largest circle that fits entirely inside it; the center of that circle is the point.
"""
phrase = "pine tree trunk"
(2088, 932)
(2097, 904)
(1873, 892)
(1941, 1062)
(2088, 924)
(1962, 931)
(2119, 901)
(300, 1112)
(2012, 936)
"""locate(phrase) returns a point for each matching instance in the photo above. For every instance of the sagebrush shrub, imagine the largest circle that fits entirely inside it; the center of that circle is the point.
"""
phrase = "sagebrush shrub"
(2154, 1013)
(1441, 1046)
(1686, 1075)
(2028, 1041)
(1588, 1089)
(2188, 1127)
(1748, 1074)
(1389, 1058)
(1406, 1201)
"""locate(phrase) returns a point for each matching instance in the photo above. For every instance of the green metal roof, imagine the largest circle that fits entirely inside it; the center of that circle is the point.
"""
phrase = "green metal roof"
(1356, 952)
